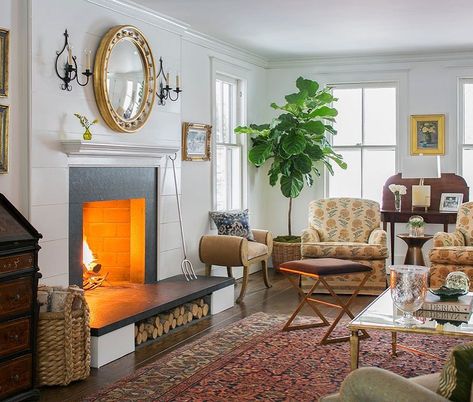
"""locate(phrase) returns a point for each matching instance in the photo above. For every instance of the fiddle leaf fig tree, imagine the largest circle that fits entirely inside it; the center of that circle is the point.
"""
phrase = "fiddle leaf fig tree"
(296, 141)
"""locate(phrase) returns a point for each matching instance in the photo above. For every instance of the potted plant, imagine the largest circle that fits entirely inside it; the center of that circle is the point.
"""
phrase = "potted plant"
(296, 142)
(416, 226)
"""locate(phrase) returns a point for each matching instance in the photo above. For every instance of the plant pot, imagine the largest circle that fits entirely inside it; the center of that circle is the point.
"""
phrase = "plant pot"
(283, 252)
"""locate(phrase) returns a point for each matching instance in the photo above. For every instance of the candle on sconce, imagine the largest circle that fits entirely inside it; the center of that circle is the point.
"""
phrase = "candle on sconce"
(87, 59)
(177, 81)
(167, 79)
(69, 56)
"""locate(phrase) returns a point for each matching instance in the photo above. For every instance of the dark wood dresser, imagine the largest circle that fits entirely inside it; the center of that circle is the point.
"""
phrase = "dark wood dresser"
(18, 306)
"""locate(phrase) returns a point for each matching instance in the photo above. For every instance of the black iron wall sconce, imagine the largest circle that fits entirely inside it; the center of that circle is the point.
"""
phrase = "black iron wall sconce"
(164, 89)
(70, 68)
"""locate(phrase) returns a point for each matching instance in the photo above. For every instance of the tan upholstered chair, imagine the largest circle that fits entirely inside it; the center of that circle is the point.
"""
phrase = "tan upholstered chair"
(234, 251)
(453, 251)
(349, 229)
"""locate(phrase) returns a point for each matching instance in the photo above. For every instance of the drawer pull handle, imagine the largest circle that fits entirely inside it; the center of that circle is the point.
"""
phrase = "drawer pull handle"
(17, 297)
(15, 378)
(14, 337)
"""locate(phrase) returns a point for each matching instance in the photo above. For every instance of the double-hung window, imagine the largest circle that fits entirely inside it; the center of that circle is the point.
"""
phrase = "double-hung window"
(466, 130)
(228, 172)
(366, 138)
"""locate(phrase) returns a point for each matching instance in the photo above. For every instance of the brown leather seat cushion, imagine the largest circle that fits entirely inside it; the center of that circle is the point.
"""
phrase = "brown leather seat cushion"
(323, 266)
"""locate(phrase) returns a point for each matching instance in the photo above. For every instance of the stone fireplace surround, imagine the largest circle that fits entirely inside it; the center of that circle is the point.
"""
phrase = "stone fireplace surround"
(88, 184)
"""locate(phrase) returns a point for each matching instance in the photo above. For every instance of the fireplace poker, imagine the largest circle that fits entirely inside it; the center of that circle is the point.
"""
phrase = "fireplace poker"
(186, 266)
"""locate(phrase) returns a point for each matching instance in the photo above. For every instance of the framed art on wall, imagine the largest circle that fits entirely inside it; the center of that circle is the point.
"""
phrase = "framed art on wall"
(450, 202)
(3, 139)
(428, 134)
(196, 142)
(4, 51)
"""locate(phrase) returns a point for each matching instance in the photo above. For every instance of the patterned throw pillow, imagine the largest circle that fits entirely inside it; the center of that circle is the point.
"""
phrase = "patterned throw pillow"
(457, 374)
(233, 223)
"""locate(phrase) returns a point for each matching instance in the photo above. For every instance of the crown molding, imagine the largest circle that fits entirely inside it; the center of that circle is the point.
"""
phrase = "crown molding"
(225, 48)
(142, 13)
(370, 59)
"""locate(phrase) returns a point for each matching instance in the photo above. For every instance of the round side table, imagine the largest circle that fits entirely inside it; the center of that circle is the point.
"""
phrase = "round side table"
(414, 248)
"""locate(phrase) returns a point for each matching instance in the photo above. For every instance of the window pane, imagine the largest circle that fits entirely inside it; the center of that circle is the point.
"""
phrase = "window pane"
(468, 112)
(235, 177)
(347, 183)
(379, 116)
(222, 183)
(348, 122)
(467, 172)
(218, 110)
(378, 165)
(226, 111)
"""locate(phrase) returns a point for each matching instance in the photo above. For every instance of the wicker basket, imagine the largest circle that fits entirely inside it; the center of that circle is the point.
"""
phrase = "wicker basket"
(283, 252)
(64, 342)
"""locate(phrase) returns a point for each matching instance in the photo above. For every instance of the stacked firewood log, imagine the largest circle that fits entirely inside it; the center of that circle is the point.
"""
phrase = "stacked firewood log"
(161, 324)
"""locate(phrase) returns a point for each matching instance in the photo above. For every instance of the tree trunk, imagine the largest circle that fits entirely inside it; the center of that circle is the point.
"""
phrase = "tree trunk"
(289, 229)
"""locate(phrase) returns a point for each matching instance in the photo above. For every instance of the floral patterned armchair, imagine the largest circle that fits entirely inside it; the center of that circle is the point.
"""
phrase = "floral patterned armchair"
(453, 251)
(349, 229)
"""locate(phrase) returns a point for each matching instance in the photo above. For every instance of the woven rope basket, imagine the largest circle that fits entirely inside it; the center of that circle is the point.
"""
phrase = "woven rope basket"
(64, 343)
(283, 252)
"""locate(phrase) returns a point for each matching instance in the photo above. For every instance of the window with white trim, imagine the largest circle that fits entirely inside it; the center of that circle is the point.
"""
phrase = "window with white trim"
(466, 131)
(366, 138)
(228, 159)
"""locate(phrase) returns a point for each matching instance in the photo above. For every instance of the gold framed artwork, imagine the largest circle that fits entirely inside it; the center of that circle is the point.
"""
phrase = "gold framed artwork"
(4, 54)
(4, 139)
(196, 141)
(428, 134)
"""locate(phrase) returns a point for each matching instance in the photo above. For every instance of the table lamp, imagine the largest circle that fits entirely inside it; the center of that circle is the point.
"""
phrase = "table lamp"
(421, 167)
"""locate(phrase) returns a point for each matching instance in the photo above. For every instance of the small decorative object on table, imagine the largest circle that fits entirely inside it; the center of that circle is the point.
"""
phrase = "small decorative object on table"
(450, 202)
(84, 121)
(458, 280)
(408, 290)
(398, 190)
(416, 226)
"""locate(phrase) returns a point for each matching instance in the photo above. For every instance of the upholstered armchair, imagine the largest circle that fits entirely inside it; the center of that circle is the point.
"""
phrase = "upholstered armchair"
(372, 384)
(453, 251)
(234, 251)
(349, 229)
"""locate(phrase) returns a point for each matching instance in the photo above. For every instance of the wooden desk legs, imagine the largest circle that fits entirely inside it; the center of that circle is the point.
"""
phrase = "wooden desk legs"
(354, 350)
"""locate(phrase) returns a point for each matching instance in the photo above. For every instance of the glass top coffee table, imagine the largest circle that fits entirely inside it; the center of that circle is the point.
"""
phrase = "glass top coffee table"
(381, 315)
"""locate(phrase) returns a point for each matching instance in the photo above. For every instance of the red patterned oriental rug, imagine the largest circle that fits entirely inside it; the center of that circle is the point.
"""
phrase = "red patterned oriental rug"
(253, 360)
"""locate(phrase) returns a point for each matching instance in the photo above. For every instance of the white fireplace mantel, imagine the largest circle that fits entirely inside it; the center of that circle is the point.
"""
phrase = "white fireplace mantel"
(89, 153)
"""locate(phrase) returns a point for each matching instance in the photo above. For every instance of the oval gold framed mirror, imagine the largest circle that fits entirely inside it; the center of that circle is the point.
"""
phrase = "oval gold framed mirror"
(125, 79)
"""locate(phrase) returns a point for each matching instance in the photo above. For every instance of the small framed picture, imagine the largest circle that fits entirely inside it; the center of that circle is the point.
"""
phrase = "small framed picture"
(196, 142)
(4, 50)
(3, 139)
(450, 202)
(428, 134)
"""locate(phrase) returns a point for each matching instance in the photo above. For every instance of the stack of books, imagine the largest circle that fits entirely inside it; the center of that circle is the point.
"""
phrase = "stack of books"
(458, 310)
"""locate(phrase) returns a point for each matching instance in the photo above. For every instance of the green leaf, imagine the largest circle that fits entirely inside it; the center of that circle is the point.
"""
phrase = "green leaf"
(325, 97)
(323, 112)
(309, 179)
(285, 167)
(302, 163)
(275, 106)
(314, 126)
(259, 153)
(309, 86)
(330, 129)
(273, 178)
(291, 186)
(314, 152)
(294, 144)
(296, 98)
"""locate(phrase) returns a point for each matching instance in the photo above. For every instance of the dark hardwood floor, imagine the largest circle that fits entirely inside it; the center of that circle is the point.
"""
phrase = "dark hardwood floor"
(280, 299)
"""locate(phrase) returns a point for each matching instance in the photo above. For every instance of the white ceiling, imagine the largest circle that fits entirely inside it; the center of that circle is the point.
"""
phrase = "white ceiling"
(279, 29)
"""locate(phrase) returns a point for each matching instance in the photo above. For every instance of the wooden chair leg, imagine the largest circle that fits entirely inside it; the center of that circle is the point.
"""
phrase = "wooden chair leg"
(229, 272)
(244, 284)
(264, 265)
(208, 269)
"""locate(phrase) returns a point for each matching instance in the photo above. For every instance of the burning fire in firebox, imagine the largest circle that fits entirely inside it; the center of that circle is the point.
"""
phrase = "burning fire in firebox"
(91, 268)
